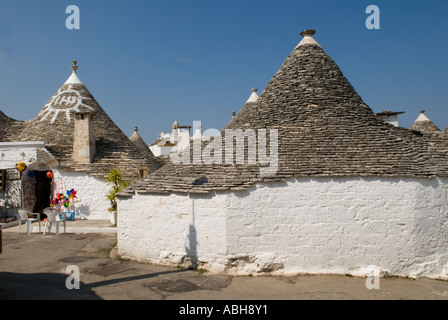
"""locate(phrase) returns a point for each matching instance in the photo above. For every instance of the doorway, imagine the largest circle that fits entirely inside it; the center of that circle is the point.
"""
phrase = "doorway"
(42, 191)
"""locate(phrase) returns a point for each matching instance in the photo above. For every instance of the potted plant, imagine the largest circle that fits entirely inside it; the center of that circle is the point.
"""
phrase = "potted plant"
(117, 183)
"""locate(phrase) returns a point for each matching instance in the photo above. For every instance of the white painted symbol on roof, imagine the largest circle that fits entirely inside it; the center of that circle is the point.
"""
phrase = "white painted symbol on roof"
(65, 101)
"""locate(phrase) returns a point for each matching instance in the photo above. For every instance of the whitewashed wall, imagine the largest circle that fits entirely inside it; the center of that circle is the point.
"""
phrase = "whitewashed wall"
(91, 201)
(13, 152)
(342, 226)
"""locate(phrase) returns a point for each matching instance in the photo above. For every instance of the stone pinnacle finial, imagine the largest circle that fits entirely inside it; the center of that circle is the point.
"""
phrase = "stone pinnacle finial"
(74, 66)
(422, 111)
(307, 33)
(254, 90)
(136, 129)
(307, 38)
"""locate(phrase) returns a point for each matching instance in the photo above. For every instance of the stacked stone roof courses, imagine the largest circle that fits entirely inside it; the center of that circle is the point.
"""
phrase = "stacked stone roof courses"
(324, 129)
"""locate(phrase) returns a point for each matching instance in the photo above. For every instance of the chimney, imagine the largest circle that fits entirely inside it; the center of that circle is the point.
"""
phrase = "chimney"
(389, 117)
(84, 138)
(197, 130)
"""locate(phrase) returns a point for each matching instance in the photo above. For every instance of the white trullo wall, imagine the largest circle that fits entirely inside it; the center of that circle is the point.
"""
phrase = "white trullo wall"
(316, 225)
(91, 201)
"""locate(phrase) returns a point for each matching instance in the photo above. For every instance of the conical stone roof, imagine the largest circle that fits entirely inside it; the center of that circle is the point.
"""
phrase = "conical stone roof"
(8, 127)
(324, 130)
(248, 107)
(55, 126)
(424, 125)
(140, 143)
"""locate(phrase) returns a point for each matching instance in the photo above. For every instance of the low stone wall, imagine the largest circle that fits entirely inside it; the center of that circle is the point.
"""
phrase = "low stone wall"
(316, 225)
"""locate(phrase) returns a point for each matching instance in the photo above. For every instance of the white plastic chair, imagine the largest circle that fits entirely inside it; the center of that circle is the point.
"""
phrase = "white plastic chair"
(24, 217)
(52, 217)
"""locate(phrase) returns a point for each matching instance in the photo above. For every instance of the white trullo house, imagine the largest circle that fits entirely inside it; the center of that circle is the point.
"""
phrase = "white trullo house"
(73, 137)
(350, 191)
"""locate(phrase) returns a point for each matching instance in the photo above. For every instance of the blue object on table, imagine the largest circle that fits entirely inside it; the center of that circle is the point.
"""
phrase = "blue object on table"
(70, 216)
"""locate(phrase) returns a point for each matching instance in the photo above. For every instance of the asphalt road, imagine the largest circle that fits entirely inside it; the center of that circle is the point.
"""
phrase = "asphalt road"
(38, 267)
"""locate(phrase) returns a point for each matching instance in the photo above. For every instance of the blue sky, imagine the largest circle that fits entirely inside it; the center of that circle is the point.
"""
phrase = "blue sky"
(149, 63)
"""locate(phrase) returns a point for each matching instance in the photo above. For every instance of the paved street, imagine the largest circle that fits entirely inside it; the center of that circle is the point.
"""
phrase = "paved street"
(34, 267)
